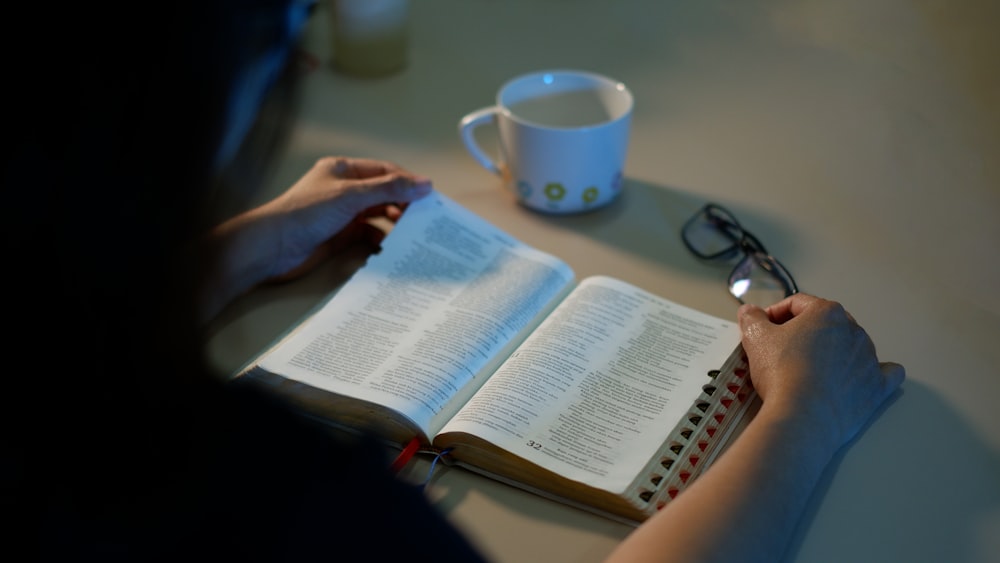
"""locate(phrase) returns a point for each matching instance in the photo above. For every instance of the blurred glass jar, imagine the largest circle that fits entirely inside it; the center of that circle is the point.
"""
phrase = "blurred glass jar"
(369, 37)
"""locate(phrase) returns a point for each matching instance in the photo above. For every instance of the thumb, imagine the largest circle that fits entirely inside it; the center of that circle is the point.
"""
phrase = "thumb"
(752, 320)
(894, 375)
(755, 328)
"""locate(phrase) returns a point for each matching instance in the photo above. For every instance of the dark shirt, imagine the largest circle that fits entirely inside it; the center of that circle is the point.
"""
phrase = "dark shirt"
(234, 475)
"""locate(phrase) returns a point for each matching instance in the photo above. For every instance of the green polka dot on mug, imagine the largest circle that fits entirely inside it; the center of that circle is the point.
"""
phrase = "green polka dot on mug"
(567, 124)
(554, 191)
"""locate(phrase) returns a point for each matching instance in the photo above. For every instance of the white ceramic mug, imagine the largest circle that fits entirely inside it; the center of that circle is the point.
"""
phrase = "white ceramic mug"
(563, 139)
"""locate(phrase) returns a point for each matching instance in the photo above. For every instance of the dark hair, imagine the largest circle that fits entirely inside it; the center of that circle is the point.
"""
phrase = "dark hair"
(114, 120)
(118, 442)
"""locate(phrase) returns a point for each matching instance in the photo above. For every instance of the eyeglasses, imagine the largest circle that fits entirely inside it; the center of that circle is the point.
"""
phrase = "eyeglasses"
(714, 234)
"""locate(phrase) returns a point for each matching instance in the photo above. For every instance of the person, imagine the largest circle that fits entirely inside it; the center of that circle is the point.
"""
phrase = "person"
(119, 441)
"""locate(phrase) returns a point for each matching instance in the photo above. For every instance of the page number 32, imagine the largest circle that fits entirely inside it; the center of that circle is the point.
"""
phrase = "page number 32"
(533, 445)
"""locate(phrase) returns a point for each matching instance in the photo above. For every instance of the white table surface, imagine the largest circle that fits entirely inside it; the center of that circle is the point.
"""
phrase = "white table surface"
(859, 140)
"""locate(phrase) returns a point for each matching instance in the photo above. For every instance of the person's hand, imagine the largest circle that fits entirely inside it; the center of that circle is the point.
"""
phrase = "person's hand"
(329, 209)
(816, 371)
(331, 206)
(809, 359)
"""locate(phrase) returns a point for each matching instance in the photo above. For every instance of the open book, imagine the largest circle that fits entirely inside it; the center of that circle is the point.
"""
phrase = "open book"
(596, 393)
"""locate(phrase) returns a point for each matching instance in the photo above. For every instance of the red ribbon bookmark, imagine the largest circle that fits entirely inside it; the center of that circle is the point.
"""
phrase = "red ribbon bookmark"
(405, 456)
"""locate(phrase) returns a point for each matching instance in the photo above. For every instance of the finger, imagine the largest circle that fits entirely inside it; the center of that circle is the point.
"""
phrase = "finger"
(390, 211)
(791, 307)
(376, 212)
(360, 232)
(385, 190)
(373, 236)
(355, 168)
(365, 168)
(753, 321)
(394, 212)
(894, 374)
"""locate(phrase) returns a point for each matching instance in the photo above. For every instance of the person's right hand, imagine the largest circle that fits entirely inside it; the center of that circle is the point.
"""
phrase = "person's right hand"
(810, 360)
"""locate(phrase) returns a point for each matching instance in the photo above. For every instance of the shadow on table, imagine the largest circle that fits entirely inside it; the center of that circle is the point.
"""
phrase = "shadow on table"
(910, 497)
(646, 221)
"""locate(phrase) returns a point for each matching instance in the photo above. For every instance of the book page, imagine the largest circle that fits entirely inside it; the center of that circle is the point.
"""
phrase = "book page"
(597, 388)
(416, 326)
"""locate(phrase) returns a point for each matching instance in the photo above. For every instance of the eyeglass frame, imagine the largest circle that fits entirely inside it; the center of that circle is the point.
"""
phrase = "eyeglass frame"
(747, 243)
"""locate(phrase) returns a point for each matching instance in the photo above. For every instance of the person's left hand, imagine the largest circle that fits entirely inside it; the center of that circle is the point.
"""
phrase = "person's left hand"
(331, 207)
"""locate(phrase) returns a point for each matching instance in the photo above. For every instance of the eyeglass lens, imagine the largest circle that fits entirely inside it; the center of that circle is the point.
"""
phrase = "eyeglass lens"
(713, 233)
(758, 277)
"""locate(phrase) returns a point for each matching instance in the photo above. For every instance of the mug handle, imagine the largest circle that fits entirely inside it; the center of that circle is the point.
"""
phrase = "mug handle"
(467, 127)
